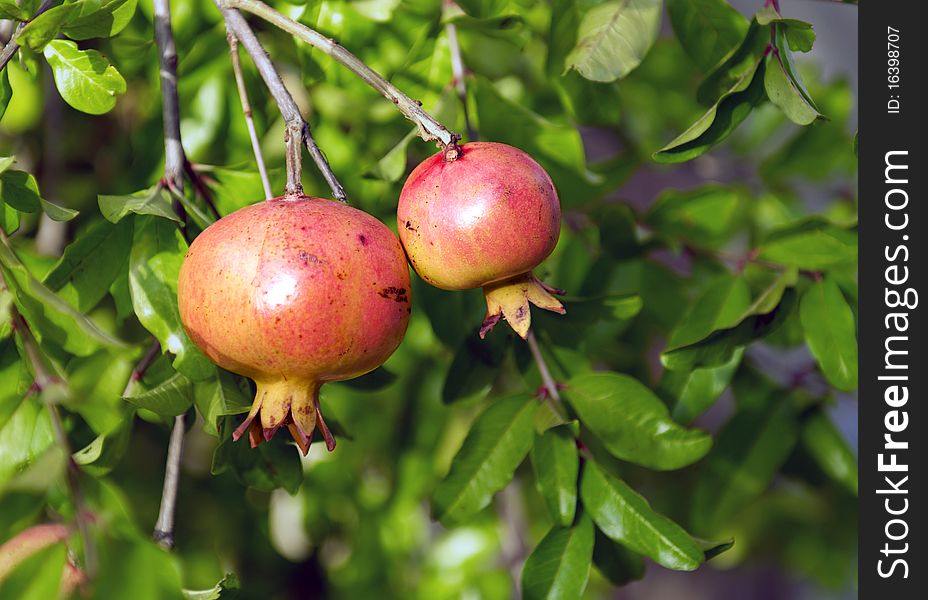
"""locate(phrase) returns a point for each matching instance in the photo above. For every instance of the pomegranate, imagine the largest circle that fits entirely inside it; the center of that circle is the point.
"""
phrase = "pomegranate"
(294, 292)
(483, 215)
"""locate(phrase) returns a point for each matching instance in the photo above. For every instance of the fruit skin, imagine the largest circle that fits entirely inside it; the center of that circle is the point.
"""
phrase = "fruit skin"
(483, 214)
(294, 293)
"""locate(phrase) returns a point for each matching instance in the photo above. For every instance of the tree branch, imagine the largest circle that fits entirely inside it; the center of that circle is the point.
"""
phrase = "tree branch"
(174, 156)
(429, 127)
(139, 371)
(164, 526)
(552, 395)
(297, 130)
(246, 110)
(9, 51)
(174, 162)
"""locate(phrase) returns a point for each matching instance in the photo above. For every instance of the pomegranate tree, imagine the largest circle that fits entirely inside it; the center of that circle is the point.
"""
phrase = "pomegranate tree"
(294, 293)
(483, 215)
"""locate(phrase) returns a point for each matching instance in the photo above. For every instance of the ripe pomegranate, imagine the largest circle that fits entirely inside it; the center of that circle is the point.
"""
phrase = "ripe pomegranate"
(294, 292)
(483, 215)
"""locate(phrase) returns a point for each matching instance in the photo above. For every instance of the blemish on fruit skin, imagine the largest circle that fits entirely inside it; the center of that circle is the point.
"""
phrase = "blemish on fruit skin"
(363, 239)
(394, 293)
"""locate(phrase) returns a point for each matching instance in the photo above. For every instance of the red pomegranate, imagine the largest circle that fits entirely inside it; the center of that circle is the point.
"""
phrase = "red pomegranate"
(483, 215)
(294, 293)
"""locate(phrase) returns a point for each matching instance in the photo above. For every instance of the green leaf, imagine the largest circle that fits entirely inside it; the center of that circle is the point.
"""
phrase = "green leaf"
(154, 264)
(100, 456)
(90, 264)
(720, 306)
(693, 392)
(614, 38)
(627, 517)
(393, 164)
(798, 33)
(9, 9)
(830, 450)
(85, 78)
(615, 562)
(708, 30)
(706, 216)
(96, 384)
(736, 66)
(155, 200)
(273, 465)
(633, 423)
(226, 589)
(6, 92)
(168, 399)
(475, 367)
(713, 549)
(828, 323)
(220, 396)
(155, 572)
(497, 443)
(556, 146)
(20, 190)
(784, 85)
(748, 452)
(719, 121)
(559, 566)
(556, 465)
(25, 433)
(105, 20)
(45, 27)
(483, 9)
(764, 315)
(56, 212)
(48, 315)
(812, 245)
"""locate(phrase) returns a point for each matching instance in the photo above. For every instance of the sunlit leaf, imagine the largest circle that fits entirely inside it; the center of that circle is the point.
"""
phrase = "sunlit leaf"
(633, 423)
(614, 37)
(625, 516)
(497, 443)
(85, 78)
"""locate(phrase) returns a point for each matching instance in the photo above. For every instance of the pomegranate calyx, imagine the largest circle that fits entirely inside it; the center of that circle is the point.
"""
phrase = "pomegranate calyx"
(294, 404)
(509, 299)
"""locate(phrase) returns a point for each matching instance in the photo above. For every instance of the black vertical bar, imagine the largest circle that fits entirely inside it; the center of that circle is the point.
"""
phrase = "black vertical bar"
(893, 259)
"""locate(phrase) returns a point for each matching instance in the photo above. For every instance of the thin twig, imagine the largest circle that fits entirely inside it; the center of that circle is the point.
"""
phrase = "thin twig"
(9, 51)
(201, 188)
(246, 110)
(139, 371)
(175, 161)
(429, 127)
(164, 527)
(546, 378)
(553, 396)
(459, 73)
(297, 130)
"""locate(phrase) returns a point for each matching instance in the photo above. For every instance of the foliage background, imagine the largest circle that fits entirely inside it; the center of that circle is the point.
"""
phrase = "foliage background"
(653, 256)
